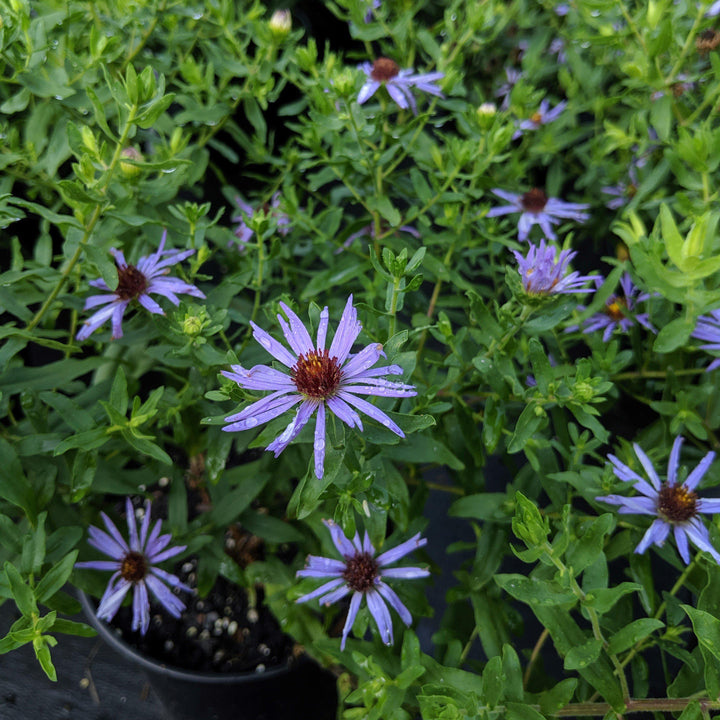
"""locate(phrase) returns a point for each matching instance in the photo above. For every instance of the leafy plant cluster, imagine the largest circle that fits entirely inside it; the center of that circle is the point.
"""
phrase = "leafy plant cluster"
(124, 119)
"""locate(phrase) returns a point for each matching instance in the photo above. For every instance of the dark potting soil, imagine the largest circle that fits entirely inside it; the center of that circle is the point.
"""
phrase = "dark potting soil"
(222, 632)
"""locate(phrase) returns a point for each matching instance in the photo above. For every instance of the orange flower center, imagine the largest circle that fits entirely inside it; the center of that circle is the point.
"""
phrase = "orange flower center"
(677, 503)
(616, 307)
(316, 375)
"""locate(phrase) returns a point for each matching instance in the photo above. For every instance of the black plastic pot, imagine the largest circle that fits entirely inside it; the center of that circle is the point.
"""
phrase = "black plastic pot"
(301, 691)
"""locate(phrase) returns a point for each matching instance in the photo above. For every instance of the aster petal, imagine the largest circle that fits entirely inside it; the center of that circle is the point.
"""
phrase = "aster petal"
(114, 532)
(335, 595)
(648, 466)
(112, 565)
(363, 360)
(656, 534)
(626, 474)
(319, 441)
(367, 91)
(278, 351)
(342, 410)
(105, 543)
(343, 545)
(405, 573)
(322, 328)
(501, 210)
(259, 377)
(609, 328)
(698, 533)
(145, 525)
(164, 596)
(632, 505)
(318, 566)
(382, 388)
(96, 320)
(261, 412)
(370, 410)
(694, 478)
(321, 590)
(681, 541)
(141, 608)
(379, 611)
(709, 506)
(399, 94)
(170, 579)
(367, 546)
(391, 596)
(513, 198)
(166, 554)
(352, 614)
(95, 300)
(303, 414)
(347, 331)
(296, 334)
(111, 601)
(117, 317)
(132, 525)
(525, 222)
(399, 551)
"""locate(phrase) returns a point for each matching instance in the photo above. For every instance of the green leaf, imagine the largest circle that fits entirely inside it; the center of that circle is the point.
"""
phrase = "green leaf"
(71, 413)
(513, 677)
(603, 599)
(42, 653)
(56, 577)
(481, 506)
(15, 487)
(105, 265)
(269, 528)
(519, 711)
(534, 591)
(552, 700)
(632, 633)
(581, 656)
(70, 627)
(119, 392)
(22, 594)
(88, 440)
(492, 680)
(528, 422)
(234, 502)
(674, 335)
(707, 631)
(589, 541)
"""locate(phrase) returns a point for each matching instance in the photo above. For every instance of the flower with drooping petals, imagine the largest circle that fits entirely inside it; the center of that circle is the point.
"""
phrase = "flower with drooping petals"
(623, 192)
(542, 274)
(619, 311)
(708, 328)
(541, 117)
(538, 209)
(512, 76)
(398, 83)
(319, 378)
(674, 505)
(363, 575)
(136, 282)
(244, 233)
(133, 565)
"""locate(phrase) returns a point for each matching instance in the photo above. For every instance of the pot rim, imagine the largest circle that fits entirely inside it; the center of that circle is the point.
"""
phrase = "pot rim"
(154, 666)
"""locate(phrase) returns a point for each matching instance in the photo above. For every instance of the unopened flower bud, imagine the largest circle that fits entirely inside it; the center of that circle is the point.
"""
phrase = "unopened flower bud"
(280, 24)
(128, 169)
(486, 114)
(192, 326)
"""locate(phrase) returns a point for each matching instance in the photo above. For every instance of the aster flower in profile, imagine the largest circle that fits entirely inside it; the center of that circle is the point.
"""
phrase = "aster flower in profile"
(542, 116)
(512, 76)
(708, 328)
(624, 191)
(319, 378)
(363, 575)
(674, 505)
(133, 566)
(398, 83)
(244, 233)
(137, 282)
(543, 274)
(537, 208)
(619, 311)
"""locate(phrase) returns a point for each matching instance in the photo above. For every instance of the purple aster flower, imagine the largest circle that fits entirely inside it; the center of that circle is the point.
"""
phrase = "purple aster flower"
(372, 6)
(537, 208)
(136, 283)
(623, 191)
(713, 10)
(369, 229)
(398, 82)
(505, 89)
(619, 311)
(133, 566)
(361, 573)
(557, 47)
(708, 328)
(542, 274)
(675, 506)
(319, 377)
(543, 116)
(244, 233)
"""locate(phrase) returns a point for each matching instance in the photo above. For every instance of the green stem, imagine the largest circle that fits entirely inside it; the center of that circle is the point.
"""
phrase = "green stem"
(393, 306)
(686, 47)
(97, 212)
